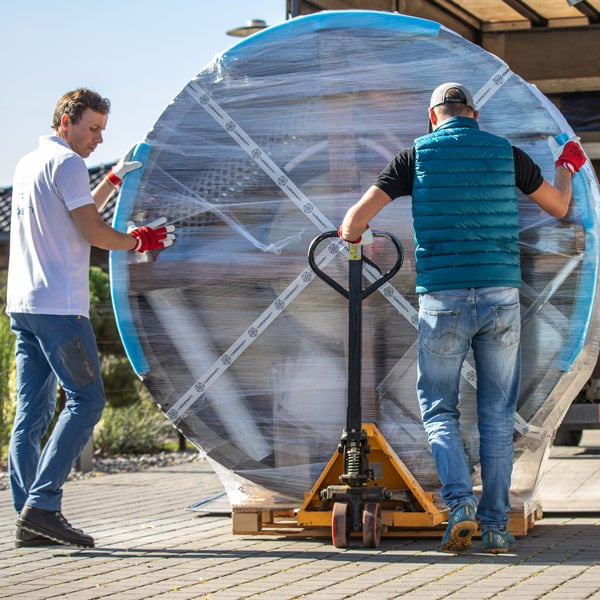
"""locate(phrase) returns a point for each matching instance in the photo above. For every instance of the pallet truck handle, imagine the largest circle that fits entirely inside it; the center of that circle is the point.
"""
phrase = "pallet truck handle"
(377, 283)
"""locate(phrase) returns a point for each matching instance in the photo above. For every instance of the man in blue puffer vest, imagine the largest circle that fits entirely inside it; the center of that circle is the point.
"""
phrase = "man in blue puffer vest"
(466, 226)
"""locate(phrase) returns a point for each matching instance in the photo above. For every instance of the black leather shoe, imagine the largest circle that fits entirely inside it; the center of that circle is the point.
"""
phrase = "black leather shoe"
(52, 524)
(26, 539)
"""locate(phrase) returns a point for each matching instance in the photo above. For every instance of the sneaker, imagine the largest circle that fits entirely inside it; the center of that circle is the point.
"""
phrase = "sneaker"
(461, 527)
(498, 541)
(53, 525)
(26, 539)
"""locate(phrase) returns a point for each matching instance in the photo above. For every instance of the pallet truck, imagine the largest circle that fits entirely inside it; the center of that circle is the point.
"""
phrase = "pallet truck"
(365, 488)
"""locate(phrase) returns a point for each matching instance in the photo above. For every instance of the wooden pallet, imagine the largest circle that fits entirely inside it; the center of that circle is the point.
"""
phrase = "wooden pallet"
(283, 521)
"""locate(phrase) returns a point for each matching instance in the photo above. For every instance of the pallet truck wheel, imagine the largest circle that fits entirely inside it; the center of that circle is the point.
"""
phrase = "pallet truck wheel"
(340, 525)
(371, 525)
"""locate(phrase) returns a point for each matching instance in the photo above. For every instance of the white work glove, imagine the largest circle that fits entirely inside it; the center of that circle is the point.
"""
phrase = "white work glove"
(363, 240)
(124, 166)
(154, 236)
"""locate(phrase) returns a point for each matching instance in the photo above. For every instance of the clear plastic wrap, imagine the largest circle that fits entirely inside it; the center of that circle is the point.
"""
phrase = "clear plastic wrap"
(243, 348)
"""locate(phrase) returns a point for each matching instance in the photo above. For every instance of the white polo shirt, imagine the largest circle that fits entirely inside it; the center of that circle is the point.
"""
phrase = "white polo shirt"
(48, 268)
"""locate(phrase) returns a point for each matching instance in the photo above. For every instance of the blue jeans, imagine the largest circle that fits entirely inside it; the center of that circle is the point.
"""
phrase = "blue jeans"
(51, 348)
(488, 321)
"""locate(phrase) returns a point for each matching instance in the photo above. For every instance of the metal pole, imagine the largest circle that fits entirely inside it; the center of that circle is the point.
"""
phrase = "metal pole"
(354, 416)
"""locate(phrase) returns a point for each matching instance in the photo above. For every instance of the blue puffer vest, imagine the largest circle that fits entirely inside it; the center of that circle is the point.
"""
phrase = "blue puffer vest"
(465, 210)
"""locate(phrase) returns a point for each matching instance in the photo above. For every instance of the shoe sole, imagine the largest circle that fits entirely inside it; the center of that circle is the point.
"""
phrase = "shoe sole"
(460, 536)
(502, 548)
(36, 543)
(52, 536)
(499, 550)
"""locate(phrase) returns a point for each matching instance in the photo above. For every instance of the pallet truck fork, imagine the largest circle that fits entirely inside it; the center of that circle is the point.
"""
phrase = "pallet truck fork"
(365, 488)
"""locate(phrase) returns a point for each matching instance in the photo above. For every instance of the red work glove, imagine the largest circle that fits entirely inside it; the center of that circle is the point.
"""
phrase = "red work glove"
(363, 240)
(572, 157)
(155, 236)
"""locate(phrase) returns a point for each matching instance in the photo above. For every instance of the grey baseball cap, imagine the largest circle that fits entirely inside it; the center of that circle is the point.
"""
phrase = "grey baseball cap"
(439, 95)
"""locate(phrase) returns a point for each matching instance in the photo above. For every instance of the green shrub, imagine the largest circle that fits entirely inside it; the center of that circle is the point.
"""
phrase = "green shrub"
(121, 385)
(7, 373)
(140, 428)
(102, 315)
(131, 423)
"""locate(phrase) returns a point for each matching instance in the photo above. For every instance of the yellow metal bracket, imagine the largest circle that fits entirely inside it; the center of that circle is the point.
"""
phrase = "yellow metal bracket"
(409, 505)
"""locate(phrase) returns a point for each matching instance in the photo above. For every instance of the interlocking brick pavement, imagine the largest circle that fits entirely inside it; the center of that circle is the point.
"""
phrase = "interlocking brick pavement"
(150, 545)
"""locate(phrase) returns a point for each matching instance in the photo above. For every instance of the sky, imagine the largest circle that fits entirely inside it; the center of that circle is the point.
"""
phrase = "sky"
(138, 53)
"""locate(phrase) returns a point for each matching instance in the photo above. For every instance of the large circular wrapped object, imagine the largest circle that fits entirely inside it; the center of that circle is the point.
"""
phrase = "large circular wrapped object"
(239, 343)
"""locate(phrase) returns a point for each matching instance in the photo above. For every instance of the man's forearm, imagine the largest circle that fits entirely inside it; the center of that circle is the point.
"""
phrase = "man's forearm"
(102, 192)
(360, 214)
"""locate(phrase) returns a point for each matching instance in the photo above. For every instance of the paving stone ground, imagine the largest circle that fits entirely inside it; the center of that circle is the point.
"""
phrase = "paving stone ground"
(149, 544)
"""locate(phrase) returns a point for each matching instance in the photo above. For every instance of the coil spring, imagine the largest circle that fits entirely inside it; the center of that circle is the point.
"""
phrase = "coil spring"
(353, 461)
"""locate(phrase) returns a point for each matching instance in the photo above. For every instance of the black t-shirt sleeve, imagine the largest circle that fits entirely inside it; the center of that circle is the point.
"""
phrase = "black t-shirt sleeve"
(527, 174)
(397, 178)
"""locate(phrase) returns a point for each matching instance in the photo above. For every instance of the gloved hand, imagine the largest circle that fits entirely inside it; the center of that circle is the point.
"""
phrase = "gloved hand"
(154, 236)
(363, 240)
(123, 166)
(572, 157)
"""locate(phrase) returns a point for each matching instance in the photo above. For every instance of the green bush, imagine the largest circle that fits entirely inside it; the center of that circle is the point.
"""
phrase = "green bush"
(131, 423)
(7, 371)
(121, 385)
(102, 315)
(140, 428)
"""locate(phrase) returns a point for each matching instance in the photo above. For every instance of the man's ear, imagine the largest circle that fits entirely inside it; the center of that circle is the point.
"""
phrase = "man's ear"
(433, 117)
(65, 121)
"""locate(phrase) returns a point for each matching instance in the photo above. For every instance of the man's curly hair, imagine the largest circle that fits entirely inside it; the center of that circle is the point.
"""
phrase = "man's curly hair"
(76, 102)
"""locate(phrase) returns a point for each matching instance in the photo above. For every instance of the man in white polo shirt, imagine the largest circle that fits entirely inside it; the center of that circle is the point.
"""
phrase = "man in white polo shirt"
(55, 220)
